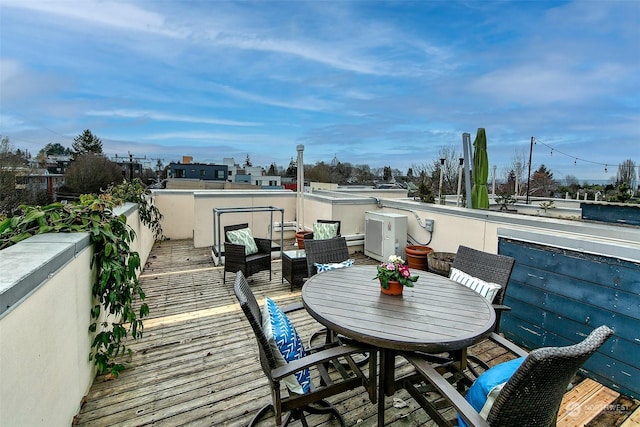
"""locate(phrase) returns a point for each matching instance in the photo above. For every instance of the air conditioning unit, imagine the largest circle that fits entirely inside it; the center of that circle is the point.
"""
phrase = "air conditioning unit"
(385, 234)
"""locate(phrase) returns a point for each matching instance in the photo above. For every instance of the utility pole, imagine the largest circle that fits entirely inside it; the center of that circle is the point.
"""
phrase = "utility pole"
(440, 186)
(459, 180)
(533, 140)
(130, 162)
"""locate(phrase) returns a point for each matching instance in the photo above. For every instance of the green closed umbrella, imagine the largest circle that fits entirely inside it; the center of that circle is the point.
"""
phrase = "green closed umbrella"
(479, 192)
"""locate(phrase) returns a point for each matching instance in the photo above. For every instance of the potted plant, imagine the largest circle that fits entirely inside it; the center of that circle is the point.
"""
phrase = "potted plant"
(394, 275)
(300, 237)
(417, 256)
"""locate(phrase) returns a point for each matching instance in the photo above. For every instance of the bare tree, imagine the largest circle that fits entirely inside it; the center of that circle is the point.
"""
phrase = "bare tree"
(516, 171)
(627, 174)
(450, 170)
(91, 173)
(10, 164)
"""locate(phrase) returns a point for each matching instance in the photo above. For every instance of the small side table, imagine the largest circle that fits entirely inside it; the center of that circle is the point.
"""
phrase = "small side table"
(294, 266)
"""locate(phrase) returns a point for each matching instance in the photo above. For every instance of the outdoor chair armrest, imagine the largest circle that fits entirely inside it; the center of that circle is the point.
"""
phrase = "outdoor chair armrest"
(503, 342)
(501, 307)
(292, 307)
(264, 245)
(448, 391)
(234, 251)
(317, 358)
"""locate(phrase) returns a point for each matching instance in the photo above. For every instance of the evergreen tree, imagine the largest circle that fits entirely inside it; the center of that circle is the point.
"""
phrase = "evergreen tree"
(542, 183)
(292, 170)
(86, 142)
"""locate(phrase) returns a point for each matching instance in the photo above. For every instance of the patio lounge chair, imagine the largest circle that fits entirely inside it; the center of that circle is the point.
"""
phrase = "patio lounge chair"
(532, 393)
(236, 257)
(319, 358)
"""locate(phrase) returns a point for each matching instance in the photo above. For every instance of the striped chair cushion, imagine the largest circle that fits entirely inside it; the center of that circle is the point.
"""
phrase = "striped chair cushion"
(486, 289)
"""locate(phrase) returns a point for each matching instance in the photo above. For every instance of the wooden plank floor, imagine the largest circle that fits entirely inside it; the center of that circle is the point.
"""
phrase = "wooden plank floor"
(197, 363)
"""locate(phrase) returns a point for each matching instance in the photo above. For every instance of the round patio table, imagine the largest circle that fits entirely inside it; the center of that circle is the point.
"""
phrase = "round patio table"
(434, 316)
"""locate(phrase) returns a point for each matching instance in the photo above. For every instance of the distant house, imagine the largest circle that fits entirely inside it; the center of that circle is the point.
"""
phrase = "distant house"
(38, 180)
(58, 164)
(205, 172)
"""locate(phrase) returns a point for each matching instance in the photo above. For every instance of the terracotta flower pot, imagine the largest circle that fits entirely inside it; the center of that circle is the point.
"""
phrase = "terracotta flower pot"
(395, 288)
(300, 238)
(417, 256)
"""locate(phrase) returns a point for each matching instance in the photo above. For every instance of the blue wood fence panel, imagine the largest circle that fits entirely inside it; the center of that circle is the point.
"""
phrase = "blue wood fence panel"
(557, 297)
(628, 214)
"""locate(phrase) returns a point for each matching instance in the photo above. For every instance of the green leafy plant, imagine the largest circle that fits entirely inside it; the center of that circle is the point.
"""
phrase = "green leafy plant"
(547, 205)
(119, 300)
(425, 194)
(504, 199)
(395, 269)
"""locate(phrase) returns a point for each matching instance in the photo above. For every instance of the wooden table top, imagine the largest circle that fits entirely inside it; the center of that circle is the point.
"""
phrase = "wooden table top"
(435, 315)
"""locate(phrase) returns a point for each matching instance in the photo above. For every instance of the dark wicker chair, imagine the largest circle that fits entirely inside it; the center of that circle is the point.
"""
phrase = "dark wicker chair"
(325, 221)
(490, 268)
(325, 251)
(319, 358)
(236, 260)
(530, 398)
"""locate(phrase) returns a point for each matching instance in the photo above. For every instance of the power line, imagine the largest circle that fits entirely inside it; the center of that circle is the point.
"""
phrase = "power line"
(575, 158)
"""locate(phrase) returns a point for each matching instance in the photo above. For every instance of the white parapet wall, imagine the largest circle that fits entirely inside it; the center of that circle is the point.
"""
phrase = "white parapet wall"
(45, 295)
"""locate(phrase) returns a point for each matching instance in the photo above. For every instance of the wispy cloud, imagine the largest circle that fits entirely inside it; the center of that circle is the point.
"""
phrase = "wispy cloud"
(152, 115)
(367, 81)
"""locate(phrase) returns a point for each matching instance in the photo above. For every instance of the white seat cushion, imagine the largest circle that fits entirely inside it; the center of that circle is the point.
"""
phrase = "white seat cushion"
(486, 289)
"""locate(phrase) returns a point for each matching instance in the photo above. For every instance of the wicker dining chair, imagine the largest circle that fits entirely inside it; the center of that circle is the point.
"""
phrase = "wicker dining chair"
(492, 268)
(324, 252)
(531, 397)
(319, 358)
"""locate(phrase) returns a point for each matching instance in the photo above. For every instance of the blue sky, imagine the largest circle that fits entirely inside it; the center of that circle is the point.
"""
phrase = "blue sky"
(371, 82)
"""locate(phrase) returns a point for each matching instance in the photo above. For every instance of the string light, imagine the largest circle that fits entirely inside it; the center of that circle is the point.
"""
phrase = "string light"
(575, 159)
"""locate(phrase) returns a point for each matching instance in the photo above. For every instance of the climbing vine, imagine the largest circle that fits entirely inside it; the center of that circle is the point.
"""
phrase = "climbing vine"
(119, 300)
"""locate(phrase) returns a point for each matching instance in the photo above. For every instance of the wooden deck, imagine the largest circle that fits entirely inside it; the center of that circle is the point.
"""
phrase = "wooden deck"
(197, 363)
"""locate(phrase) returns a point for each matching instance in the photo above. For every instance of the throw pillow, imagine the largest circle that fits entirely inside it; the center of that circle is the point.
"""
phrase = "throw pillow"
(286, 345)
(333, 266)
(484, 391)
(243, 237)
(486, 289)
(324, 230)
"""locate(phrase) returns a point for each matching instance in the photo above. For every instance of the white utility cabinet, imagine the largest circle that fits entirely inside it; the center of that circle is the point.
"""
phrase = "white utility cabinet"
(385, 234)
